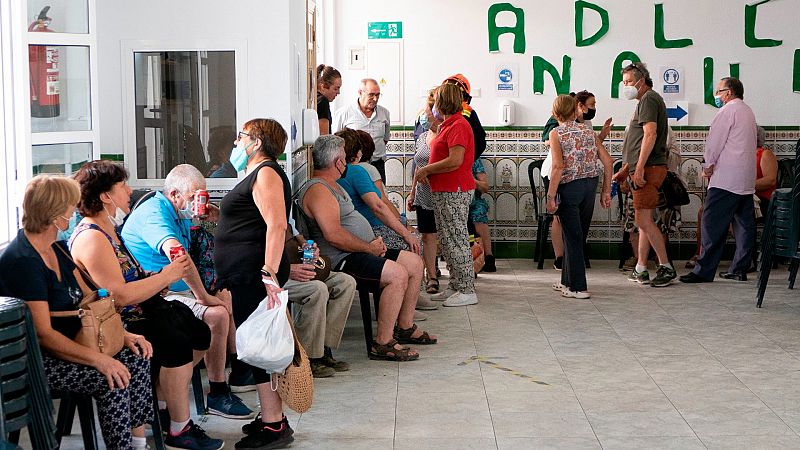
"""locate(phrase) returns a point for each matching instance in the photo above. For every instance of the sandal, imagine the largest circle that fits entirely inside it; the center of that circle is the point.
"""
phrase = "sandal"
(387, 352)
(432, 287)
(404, 336)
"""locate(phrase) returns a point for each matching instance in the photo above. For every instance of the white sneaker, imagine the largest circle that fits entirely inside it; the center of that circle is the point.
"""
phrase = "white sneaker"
(557, 286)
(425, 303)
(575, 294)
(444, 295)
(460, 299)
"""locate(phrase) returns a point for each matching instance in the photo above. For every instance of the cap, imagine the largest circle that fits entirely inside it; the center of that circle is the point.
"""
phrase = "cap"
(460, 80)
(102, 293)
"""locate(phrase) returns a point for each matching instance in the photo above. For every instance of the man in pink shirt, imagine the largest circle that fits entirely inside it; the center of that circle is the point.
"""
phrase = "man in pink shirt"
(730, 164)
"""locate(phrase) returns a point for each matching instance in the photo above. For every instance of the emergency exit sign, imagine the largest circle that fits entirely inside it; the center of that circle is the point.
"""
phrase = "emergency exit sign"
(385, 30)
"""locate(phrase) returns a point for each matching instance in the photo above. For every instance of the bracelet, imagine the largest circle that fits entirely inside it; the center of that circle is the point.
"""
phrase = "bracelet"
(551, 197)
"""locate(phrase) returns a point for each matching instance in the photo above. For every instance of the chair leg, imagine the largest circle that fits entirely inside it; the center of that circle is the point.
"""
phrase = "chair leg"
(793, 271)
(158, 436)
(66, 416)
(763, 277)
(197, 389)
(366, 317)
(88, 429)
(624, 247)
(13, 437)
(543, 241)
(537, 250)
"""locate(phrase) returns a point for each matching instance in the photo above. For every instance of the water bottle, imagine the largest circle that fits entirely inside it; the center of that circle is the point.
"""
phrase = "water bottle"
(308, 252)
(614, 188)
(102, 293)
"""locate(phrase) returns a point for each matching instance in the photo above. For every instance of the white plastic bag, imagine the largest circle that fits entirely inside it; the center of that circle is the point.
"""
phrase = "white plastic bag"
(265, 339)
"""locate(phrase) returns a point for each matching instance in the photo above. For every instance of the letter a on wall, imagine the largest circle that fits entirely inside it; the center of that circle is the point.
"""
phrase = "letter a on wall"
(580, 6)
(518, 30)
(561, 82)
(616, 76)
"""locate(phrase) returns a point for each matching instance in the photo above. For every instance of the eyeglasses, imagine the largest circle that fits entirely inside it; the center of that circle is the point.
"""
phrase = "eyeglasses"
(242, 133)
(719, 91)
(371, 95)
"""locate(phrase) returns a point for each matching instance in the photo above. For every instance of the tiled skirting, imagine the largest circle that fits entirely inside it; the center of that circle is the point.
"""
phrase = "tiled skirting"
(508, 154)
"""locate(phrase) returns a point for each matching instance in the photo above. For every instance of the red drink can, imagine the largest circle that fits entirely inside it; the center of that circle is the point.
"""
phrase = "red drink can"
(200, 205)
(175, 252)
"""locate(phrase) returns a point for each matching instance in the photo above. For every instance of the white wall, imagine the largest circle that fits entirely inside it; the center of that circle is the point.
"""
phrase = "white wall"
(443, 37)
(267, 27)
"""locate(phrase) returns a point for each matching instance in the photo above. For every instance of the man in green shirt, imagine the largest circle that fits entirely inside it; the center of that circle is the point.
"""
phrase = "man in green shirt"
(644, 151)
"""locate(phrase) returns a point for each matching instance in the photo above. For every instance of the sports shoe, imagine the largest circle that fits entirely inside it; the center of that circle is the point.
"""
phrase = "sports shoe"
(558, 264)
(320, 370)
(569, 293)
(444, 295)
(265, 437)
(193, 437)
(339, 366)
(257, 424)
(425, 303)
(642, 277)
(461, 299)
(243, 382)
(228, 405)
(557, 286)
(629, 264)
(664, 276)
(489, 265)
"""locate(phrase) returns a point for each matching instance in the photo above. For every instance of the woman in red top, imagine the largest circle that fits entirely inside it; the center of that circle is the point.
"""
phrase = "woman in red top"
(449, 174)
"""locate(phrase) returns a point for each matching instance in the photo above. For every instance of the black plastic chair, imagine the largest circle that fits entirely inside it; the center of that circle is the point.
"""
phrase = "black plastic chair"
(785, 170)
(84, 404)
(543, 218)
(781, 231)
(366, 311)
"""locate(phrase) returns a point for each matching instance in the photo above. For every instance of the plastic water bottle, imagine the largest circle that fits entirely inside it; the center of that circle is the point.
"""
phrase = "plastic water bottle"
(614, 188)
(102, 293)
(308, 252)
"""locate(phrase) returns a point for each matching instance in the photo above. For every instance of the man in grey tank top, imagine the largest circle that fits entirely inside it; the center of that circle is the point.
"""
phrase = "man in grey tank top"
(345, 236)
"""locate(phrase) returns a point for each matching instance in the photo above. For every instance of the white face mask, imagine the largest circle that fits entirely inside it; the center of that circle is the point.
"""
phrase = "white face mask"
(119, 216)
(630, 92)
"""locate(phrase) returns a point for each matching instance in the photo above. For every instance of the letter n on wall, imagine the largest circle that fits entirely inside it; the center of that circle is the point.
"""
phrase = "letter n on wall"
(561, 82)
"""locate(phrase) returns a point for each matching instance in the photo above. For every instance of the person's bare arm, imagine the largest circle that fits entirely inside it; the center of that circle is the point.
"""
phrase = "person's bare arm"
(608, 163)
(321, 206)
(385, 198)
(324, 127)
(769, 170)
(482, 182)
(384, 214)
(268, 197)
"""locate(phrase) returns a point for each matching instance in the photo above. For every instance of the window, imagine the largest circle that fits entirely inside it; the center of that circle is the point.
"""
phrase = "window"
(185, 111)
(8, 134)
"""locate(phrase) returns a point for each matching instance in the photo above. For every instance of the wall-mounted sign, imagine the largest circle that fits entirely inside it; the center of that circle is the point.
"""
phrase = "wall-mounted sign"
(506, 80)
(672, 84)
(385, 30)
(678, 113)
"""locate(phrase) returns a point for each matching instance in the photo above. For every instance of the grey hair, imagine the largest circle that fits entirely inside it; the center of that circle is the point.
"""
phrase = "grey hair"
(761, 137)
(183, 178)
(326, 149)
(639, 70)
(369, 80)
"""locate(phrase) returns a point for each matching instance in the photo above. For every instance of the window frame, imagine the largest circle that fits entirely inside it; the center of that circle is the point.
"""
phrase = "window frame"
(128, 49)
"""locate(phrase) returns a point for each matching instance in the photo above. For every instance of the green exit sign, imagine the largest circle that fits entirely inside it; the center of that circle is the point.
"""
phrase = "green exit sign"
(385, 30)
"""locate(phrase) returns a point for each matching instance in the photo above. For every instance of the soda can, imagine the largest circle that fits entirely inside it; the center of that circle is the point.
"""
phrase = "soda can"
(200, 205)
(175, 252)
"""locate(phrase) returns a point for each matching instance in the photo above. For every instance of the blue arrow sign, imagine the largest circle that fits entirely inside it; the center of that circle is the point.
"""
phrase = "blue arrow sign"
(676, 113)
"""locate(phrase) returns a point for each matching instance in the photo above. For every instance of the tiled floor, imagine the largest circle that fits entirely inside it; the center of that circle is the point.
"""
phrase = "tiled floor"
(687, 366)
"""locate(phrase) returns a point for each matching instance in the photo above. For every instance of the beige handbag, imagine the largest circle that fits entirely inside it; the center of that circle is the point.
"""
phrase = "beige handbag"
(101, 324)
(296, 385)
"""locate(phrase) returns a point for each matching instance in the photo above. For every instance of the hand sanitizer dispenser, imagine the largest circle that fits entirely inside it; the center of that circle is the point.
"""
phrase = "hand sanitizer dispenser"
(506, 113)
(310, 125)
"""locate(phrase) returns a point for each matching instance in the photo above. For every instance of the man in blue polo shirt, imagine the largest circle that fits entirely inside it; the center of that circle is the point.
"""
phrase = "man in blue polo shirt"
(151, 230)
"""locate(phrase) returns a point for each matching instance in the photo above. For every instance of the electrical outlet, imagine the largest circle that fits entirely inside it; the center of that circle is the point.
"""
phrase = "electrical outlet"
(355, 58)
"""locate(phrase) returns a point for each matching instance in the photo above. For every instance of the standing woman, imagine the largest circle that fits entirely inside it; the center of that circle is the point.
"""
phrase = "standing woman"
(36, 269)
(329, 81)
(250, 257)
(449, 173)
(576, 152)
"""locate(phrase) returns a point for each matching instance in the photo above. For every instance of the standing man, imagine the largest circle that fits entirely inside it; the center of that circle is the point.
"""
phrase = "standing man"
(644, 151)
(730, 154)
(367, 115)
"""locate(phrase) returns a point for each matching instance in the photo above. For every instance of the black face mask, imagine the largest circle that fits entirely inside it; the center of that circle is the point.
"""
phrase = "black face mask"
(589, 115)
(343, 173)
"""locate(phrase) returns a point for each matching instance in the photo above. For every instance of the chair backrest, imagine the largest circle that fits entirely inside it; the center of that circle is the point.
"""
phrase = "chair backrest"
(785, 173)
(537, 182)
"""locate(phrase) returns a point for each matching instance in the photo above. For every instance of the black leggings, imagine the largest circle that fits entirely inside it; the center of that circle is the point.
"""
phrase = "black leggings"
(246, 297)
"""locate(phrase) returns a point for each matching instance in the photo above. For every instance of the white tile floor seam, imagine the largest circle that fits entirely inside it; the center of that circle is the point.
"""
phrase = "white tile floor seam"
(685, 366)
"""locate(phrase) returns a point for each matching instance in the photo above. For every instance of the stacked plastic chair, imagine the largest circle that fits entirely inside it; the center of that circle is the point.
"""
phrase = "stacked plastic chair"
(23, 386)
(781, 236)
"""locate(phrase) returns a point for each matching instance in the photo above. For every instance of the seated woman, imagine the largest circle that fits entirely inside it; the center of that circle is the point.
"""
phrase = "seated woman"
(368, 201)
(179, 338)
(367, 149)
(38, 270)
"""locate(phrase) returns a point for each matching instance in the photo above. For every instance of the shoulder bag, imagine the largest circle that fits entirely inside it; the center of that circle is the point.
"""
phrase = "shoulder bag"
(101, 324)
(675, 193)
(296, 385)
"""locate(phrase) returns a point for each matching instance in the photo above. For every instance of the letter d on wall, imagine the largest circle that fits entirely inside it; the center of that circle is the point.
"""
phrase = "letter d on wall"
(580, 6)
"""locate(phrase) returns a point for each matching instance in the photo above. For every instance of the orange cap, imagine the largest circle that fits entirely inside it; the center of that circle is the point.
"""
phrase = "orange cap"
(460, 80)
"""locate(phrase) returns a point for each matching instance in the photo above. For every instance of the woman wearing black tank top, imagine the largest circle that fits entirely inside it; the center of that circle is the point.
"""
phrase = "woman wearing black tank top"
(249, 240)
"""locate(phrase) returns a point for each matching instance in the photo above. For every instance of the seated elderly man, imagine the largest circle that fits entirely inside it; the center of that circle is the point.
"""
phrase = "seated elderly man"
(347, 239)
(320, 311)
(152, 229)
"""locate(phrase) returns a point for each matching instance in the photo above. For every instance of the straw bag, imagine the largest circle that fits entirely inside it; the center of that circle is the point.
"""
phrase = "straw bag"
(296, 384)
(101, 324)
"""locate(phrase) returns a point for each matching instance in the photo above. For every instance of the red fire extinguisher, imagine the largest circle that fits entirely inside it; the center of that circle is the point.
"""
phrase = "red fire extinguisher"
(43, 62)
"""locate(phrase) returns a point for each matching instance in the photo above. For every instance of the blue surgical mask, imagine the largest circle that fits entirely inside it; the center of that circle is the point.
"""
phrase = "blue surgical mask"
(186, 212)
(239, 157)
(718, 101)
(62, 235)
(436, 114)
(423, 122)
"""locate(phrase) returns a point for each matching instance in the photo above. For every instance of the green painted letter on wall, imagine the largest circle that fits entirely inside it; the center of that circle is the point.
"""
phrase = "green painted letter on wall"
(518, 30)
(619, 64)
(580, 6)
(750, 38)
(710, 83)
(561, 82)
(660, 38)
(796, 71)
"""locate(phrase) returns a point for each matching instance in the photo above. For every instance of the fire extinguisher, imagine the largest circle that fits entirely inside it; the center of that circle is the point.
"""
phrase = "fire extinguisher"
(43, 62)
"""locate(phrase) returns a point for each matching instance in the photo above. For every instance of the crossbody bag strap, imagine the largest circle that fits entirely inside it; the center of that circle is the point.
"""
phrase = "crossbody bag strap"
(86, 277)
